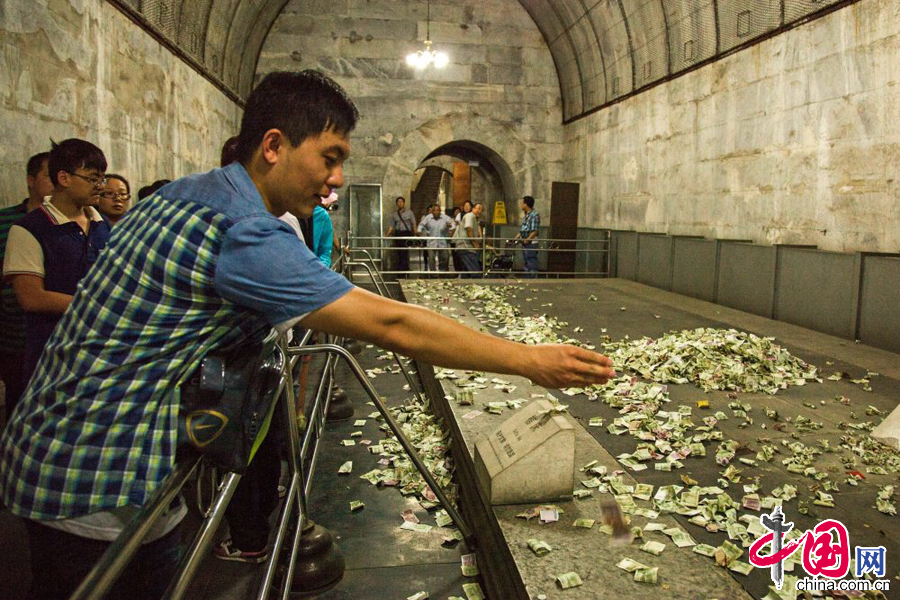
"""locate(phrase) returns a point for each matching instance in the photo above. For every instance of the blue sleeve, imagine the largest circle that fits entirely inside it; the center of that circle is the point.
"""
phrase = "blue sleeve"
(323, 230)
(266, 268)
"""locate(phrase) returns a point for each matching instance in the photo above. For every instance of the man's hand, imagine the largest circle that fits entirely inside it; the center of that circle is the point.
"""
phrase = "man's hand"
(563, 366)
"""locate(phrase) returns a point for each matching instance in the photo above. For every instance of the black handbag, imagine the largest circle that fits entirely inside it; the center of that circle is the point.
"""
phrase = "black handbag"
(227, 404)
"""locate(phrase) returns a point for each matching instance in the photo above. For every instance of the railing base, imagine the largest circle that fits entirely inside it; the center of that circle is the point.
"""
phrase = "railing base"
(340, 408)
(319, 563)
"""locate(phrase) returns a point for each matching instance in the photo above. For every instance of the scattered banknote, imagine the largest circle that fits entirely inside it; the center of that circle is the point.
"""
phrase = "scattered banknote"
(653, 547)
(705, 550)
(442, 519)
(469, 565)
(646, 575)
(568, 580)
(409, 516)
(347, 467)
(473, 591)
(359, 422)
(585, 523)
(418, 596)
(630, 565)
(539, 547)
(356, 505)
(417, 527)
(740, 567)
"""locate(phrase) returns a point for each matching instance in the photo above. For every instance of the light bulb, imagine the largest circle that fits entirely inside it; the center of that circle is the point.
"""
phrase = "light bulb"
(441, 59)
(412, 59)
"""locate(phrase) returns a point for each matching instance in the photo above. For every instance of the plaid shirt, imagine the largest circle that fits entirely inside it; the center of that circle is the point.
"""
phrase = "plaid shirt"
(198, 267)
(532, 222)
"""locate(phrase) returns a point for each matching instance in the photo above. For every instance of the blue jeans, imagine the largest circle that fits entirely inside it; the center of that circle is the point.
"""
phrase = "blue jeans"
(530, 255)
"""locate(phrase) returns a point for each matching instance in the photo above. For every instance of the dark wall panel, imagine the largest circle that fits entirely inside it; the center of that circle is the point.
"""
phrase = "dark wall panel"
(694, 268)
(747, 277)
(879, 304)
(626, 254)
(816, 289)
(655, 260)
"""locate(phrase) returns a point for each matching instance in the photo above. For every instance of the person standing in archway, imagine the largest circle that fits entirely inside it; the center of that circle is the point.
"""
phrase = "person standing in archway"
(527, 235)
(403, 226)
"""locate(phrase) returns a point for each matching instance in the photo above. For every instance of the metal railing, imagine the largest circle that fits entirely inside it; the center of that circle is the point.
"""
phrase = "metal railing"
(302, 460)
(497, 256)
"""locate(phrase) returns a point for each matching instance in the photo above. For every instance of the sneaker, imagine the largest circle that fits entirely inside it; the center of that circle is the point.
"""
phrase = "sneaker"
(227, 551)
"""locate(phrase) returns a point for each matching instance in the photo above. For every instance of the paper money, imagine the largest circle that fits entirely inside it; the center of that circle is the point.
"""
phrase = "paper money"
(585, 523)
(727, 553)
(549, 516)
(442, 519)
(654, 527)
(568, 580)
(417, 527)
(409, 516)
(646, 575)
(469, 565)
(682, 539)
(452, 538)
(356, 505)
(595, 422)
(643, 491)
(373, 476)
(418, 596)
(348, 442)
(740, 567)
(654, 548)
(473, 591)
(347, 467)
(581, 493)
(630, 565)
(539, 547)
(359, 423)
(705, 550)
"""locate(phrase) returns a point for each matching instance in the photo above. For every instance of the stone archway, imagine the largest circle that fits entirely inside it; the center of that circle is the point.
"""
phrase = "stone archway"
(516, 165)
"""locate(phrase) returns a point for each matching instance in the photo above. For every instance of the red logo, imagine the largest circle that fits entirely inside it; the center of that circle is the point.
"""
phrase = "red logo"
(822, 554)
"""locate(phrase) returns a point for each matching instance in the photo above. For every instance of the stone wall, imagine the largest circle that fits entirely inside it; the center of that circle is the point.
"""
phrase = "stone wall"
(795, 140)
(74, 68)
(500, 89)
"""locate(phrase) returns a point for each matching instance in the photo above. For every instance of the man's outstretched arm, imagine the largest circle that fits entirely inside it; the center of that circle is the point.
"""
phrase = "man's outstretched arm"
(425, 335)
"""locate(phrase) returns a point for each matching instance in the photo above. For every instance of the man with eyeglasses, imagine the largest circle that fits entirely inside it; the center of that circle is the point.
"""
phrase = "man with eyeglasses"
(51, 248)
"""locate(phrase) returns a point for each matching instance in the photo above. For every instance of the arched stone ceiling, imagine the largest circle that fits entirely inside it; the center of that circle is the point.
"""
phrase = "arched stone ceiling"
(223, 38)
(608, 49)
(604, 50)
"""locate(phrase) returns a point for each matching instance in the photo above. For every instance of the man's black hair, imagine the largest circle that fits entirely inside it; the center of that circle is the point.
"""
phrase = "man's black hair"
(72, 154)
(120, 178)
(529, 201)
(149, 190)
(299, 105)
(398, 199)
(36, 163)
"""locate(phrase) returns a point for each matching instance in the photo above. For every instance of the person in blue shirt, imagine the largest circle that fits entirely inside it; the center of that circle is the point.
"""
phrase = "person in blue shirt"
(203, 265)
(323, 235)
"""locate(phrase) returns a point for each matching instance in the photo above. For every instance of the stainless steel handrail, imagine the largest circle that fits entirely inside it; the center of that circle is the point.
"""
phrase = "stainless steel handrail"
(103, 576)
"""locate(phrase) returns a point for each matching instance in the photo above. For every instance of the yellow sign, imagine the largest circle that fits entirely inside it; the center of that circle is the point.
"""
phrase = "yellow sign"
(499, 213)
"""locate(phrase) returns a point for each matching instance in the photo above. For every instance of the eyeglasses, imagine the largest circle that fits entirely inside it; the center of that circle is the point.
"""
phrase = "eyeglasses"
(113, 195)
(94, 181)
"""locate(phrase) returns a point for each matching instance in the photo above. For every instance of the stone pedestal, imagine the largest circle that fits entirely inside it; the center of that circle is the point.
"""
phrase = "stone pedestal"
(530, 458)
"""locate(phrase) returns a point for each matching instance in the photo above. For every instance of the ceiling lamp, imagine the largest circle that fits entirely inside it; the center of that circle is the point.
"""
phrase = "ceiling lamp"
(421, 59)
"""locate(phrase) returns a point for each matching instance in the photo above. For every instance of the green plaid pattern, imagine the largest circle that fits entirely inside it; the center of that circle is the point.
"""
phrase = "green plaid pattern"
(97, 427)
(12, 318)
(532, 222)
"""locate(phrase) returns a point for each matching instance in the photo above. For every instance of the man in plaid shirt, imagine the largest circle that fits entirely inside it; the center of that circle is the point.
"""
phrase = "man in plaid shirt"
(202, 265)
(528, 233)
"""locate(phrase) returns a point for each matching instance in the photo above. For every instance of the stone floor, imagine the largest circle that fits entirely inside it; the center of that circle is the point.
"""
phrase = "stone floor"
(628, 308)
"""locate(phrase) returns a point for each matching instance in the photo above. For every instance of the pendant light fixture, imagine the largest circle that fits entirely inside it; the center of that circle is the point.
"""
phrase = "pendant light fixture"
(421, 59)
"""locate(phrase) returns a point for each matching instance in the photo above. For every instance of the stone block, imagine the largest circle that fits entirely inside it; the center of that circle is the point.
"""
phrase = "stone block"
(530, 458)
